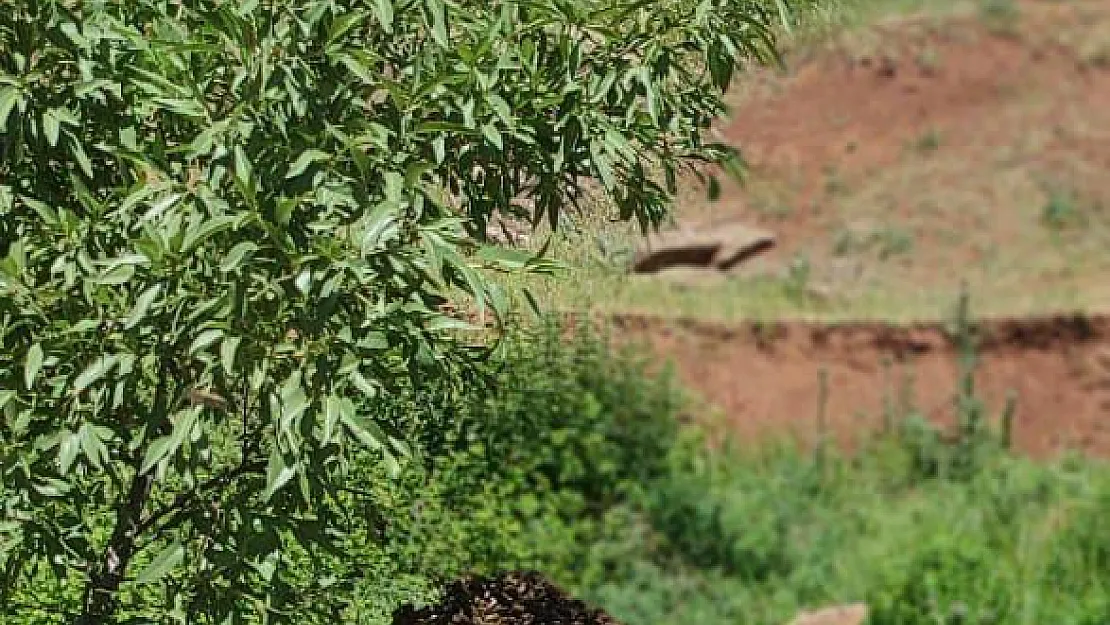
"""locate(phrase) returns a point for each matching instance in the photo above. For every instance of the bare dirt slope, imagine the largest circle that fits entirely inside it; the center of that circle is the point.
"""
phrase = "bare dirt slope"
(766, 378)
(901, 158)
(896, 161)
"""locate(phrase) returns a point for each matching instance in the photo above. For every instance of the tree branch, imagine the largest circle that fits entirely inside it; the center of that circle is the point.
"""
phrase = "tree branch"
(185, 501)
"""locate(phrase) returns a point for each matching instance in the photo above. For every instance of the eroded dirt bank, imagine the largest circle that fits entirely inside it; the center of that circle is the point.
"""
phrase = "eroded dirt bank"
(765, 377)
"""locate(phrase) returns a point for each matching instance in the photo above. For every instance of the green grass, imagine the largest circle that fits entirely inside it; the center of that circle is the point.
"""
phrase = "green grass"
(753, 538)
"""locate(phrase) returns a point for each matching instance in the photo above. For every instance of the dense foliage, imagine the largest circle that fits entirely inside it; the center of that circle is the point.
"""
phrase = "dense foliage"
(228, 226)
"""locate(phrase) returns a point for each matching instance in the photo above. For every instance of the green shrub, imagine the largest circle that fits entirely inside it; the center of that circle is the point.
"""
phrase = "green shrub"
(531, 470)
(225, 223)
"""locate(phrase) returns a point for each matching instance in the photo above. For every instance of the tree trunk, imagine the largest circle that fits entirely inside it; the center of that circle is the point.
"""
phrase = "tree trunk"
(101, 601)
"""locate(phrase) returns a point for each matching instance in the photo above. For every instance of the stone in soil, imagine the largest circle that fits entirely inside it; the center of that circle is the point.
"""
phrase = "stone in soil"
(720, 247)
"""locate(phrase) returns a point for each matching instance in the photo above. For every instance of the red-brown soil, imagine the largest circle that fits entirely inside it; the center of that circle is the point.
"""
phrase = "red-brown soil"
(855, 107)
(1005, 101)
(766, 377)
(952, 133)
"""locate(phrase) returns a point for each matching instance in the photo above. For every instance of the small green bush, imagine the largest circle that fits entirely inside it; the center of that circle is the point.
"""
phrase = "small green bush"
(531, 467)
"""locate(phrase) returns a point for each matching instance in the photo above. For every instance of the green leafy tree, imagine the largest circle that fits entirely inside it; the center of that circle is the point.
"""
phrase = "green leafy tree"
(227, 225)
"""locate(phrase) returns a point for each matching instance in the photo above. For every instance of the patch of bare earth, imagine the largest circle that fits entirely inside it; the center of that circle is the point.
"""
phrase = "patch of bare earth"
(766, 378)
(906, 156)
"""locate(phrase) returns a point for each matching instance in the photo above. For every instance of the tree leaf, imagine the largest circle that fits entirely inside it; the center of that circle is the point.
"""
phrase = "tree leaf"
(277, 475)
(45, 212)
(343, 24)
(80, 156)
(158, 449)
(228, 349)
(243, 170)
(160, 206)
(115, 276)
(304, 281)
(333, 410)
(493, 136)
(205, 230)
(167, 560)
(237, 255)
(32, 365)
(92, 445)
(364, 430)
(9, 96)
(204, 340)
(439, 23)
(67, 451)
(94, 372)
(307, 158)
(383, 10)
(142, 306)
(51, 126)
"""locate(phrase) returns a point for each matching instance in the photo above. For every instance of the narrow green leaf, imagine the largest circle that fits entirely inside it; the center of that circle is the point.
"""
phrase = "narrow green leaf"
(167, 560)
(237, 255)
(32, 365)
(81, 157)
(441, 323)
(243, 170)
(159, 207)
(304, 281)
(344, 24)
(182, 106)
(67, 451)
(45, 212)
(493, 136)
(362, 384)
(142, 306)
(9, 96)
(294, 403)
(364, 430)
(501, 107)
(51, 126)
(5, 397)
(228, 349)
(277, 475)
(307, 158)
(383, 10)
(115, 276)
(158, 449)
(381, 226)
(94, 372)
(206, 230)
(204, 340)
(533, 305)
(333, 409)
(439, 22)
(92, 445)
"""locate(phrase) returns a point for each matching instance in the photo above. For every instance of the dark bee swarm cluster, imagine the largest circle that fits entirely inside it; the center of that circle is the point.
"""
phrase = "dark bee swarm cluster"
(516, 598)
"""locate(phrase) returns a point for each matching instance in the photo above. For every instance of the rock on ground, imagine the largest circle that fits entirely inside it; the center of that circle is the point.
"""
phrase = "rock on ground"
(719, 247)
